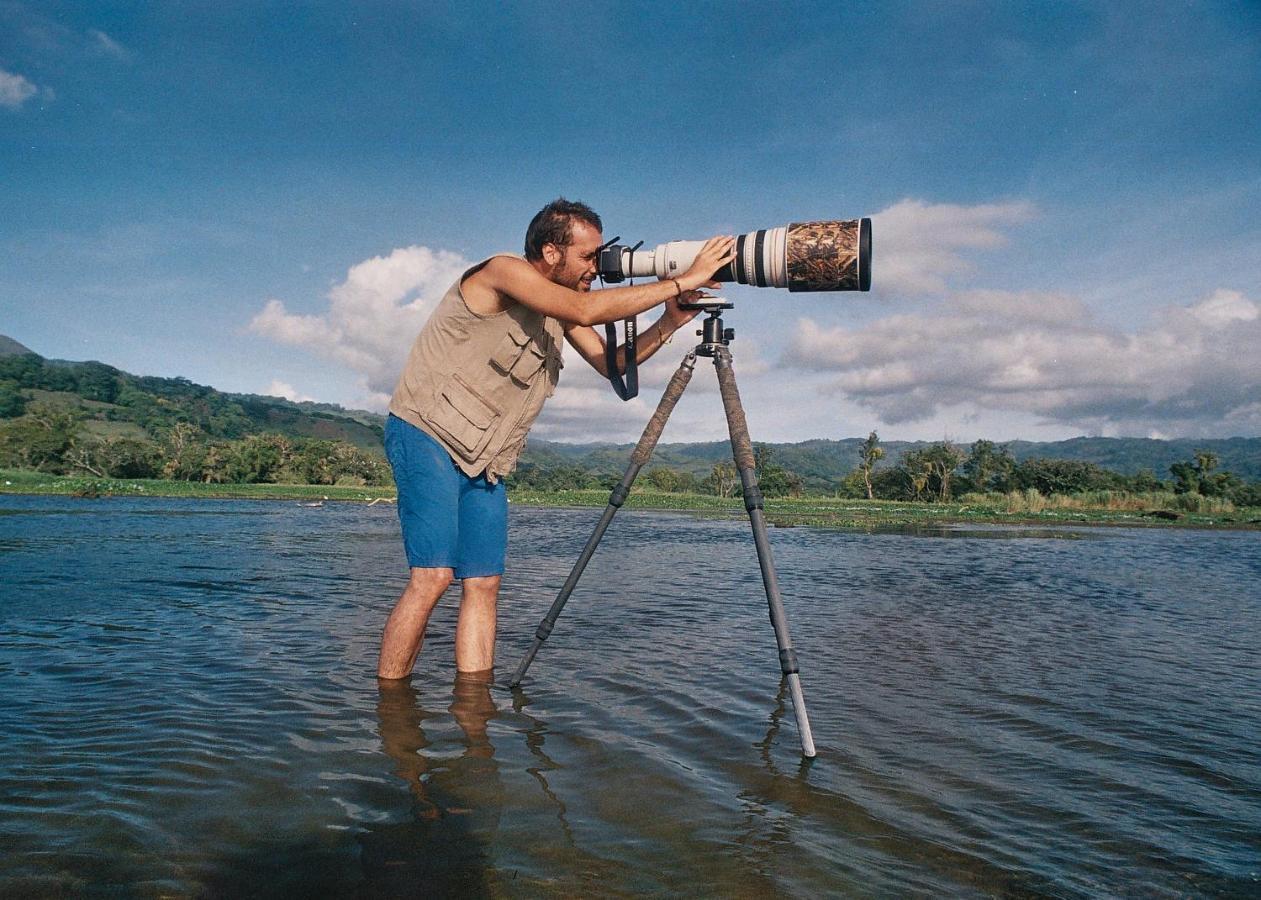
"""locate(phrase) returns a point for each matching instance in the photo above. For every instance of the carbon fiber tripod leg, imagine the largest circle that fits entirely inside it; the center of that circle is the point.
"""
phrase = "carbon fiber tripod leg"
(639, 458)
(742, 450)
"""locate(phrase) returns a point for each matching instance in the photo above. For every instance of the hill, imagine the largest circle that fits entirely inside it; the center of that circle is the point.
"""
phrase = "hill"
(119, 404)
(820, 462)
(114, 403)
(10, 347)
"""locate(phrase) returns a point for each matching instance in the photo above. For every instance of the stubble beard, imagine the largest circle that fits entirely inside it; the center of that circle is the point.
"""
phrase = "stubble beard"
(574, 282)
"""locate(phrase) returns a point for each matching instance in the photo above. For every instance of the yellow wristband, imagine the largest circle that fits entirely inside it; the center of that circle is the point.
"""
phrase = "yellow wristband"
(678, 288)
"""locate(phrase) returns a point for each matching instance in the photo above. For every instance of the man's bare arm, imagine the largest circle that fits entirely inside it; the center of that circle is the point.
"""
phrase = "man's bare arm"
(517, 280)
(590, 345)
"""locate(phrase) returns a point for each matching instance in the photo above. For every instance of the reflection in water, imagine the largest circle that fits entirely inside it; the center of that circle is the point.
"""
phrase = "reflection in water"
(535, 735)
(767, 744)
(1039, 716)
(457, 794)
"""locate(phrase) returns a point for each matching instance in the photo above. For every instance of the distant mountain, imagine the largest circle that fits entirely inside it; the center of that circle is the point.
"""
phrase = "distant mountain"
(10, 347)
(117, 401)
(822, 462)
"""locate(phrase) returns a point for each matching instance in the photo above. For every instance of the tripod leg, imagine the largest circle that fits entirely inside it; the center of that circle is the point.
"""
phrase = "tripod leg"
(639, 458)
(742, 450)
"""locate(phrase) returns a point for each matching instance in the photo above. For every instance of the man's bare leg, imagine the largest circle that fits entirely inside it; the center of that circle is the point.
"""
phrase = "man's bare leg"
(475, 630)
(405, 628)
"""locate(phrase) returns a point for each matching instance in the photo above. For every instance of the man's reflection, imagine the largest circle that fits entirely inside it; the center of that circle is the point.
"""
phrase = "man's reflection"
(455, 783)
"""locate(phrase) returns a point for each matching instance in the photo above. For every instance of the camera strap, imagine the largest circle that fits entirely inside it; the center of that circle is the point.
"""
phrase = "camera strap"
(628, 389)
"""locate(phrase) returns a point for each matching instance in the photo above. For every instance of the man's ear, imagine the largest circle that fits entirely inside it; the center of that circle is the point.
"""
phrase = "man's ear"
(552, 254)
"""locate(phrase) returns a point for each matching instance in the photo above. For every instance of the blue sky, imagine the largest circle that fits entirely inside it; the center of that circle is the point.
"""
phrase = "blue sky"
(269, 197)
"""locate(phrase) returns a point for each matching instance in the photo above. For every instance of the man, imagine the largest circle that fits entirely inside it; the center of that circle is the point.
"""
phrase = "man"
(475, 380)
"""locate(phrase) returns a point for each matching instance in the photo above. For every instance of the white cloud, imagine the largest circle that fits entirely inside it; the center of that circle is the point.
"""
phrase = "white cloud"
(15, 90)
(103, 43)
(283, 389)
(1192, 369)
(919, 247)
(585, 408)
(372, 316)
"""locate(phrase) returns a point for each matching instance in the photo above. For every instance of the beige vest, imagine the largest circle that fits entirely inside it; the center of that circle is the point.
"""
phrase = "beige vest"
(476, 383)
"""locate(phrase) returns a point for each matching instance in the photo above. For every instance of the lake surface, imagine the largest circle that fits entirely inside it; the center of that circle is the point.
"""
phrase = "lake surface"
(190, 708)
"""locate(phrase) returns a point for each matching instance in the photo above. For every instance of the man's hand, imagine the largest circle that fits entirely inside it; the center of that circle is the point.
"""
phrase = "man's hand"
(717, 252)
(675, 318)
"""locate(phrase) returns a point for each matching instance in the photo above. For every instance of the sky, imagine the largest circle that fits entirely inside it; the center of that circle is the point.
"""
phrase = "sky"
(271, 197)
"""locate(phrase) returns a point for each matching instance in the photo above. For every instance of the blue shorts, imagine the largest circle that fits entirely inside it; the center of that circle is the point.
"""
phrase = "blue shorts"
(450, 521)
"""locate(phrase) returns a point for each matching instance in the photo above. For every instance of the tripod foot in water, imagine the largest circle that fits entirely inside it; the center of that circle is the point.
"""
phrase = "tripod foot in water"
(714, 343)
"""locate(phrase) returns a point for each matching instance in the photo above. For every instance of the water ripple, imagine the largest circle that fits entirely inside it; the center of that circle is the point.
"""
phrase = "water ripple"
(190, 709)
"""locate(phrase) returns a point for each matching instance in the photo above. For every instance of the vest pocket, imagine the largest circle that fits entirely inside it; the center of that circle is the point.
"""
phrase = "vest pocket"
(509, 349)
(527, 364)
(518, 355)
(464, 417)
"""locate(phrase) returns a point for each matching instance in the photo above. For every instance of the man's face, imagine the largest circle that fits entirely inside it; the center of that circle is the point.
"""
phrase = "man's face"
(575, 264)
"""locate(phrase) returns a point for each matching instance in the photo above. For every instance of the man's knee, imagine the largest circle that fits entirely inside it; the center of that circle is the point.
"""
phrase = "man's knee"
(430, 582)
(484, 588)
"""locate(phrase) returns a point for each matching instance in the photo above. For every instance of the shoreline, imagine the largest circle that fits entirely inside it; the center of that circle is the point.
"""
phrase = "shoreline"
(821, 512)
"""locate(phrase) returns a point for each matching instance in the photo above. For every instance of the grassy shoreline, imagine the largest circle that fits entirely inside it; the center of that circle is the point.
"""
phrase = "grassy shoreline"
(826, 512)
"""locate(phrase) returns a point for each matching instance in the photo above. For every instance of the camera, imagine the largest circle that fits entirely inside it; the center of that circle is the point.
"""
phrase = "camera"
(801, 256)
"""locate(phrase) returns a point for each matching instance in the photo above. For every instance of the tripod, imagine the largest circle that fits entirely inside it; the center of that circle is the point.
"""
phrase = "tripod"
(714, 341)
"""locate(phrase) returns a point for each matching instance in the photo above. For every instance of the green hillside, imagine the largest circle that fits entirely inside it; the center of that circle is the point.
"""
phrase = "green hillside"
(10, 347)
(819, 461)
(138, 415)
(114, 403)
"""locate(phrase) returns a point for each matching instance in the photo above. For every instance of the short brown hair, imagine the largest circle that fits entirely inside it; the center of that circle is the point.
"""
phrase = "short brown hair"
(553, 224)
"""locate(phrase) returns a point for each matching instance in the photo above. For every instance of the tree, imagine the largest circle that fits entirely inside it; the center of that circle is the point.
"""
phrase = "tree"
(1062, 476)
(1246, 494)
(988, 465)
(930, 470)
(920, 472)
(353, 465)
(893, 484)
(40, 439)
(870, 453)
(115, 458)
(257, 458)
(1186, 479)
(855, 485)
(722, 479)
(97, 381)
(184, 453)
(773, 479)
(26, 369)
(214, 464)
(83, 457)
(12, 401)
(780, 482)
(1145, 481)
(1198, 477)
(130, 458)
(316, 462)
(763, 456)
(663, 479)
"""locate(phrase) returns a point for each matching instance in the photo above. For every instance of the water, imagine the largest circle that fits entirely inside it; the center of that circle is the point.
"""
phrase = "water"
(189, 708)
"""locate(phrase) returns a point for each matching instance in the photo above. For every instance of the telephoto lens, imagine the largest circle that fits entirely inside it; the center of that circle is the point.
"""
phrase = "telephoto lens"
(802, 256)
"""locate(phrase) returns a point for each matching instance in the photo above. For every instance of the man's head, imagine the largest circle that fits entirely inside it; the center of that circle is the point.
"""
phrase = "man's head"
(562, 241)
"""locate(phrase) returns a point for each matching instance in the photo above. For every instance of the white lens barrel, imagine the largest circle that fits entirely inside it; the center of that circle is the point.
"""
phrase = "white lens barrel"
(802, 256)
(668, 260)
